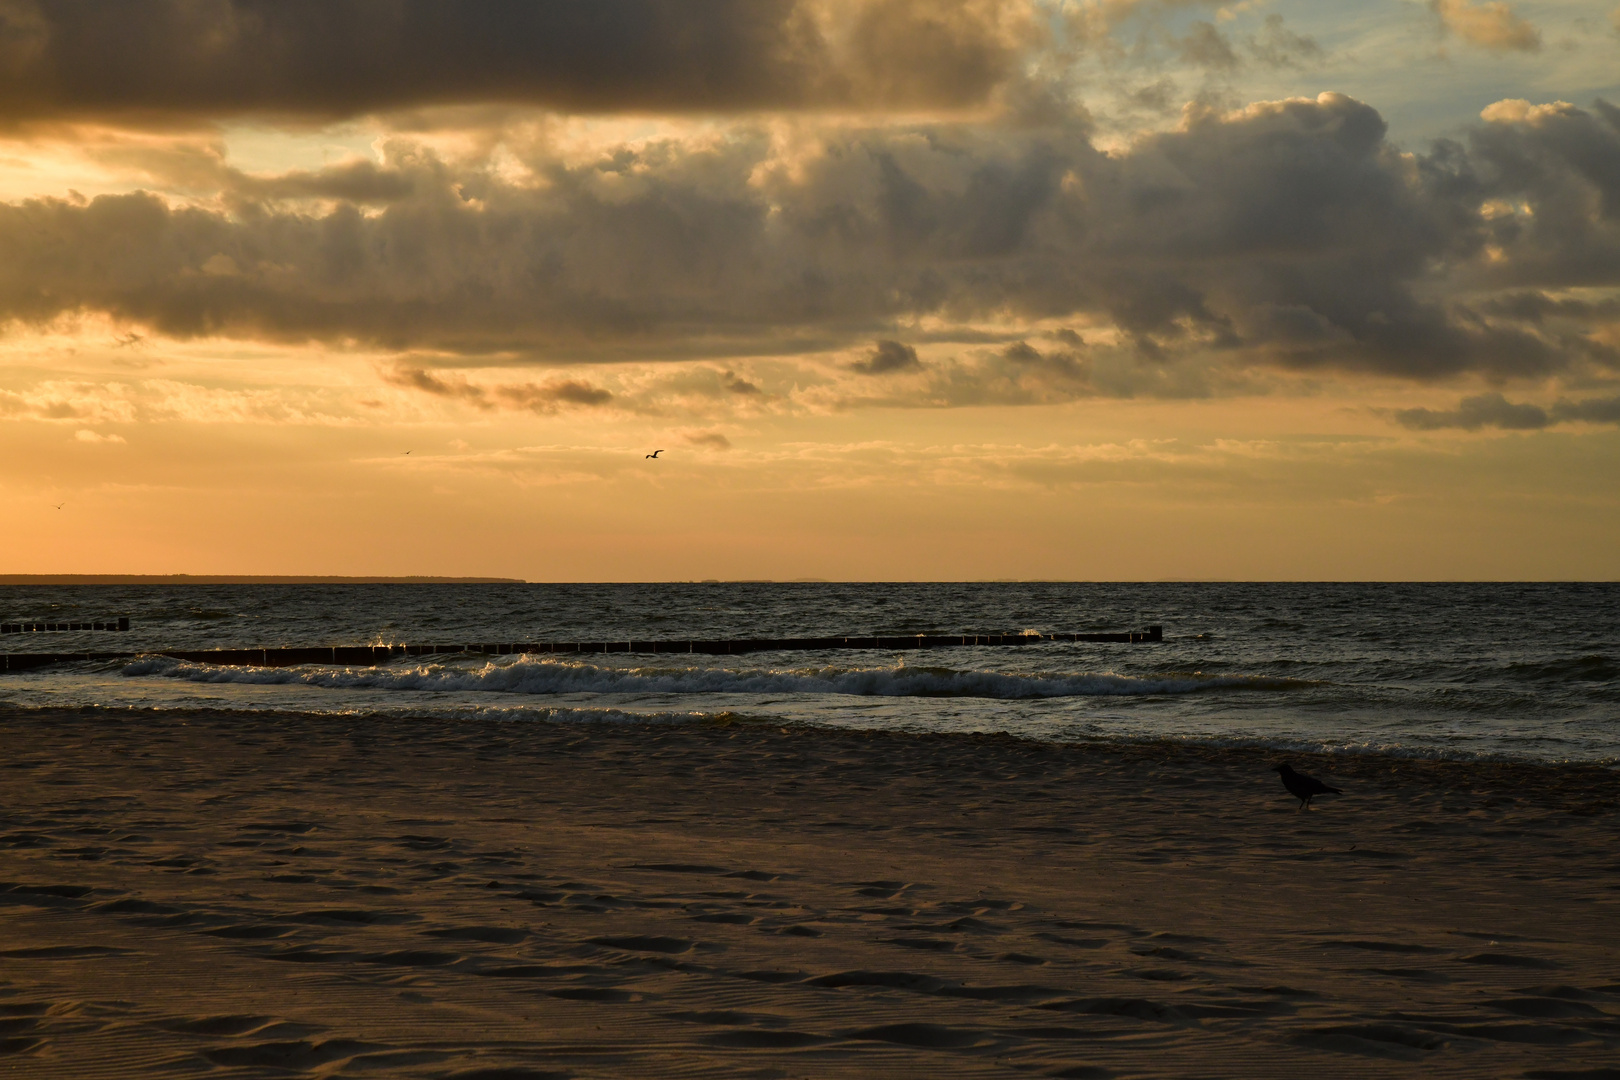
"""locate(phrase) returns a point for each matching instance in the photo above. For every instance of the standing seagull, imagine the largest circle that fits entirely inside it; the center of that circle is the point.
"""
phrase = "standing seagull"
(1303, 787)
(655, 453)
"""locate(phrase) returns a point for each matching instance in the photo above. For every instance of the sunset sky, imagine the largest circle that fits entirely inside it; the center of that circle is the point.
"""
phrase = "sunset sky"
(904, 289)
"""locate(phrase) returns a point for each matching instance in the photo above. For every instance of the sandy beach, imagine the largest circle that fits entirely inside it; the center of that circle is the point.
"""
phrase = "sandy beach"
(215, 894)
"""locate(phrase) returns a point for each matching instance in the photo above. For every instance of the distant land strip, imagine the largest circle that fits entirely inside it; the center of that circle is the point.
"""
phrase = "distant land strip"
(242, 579)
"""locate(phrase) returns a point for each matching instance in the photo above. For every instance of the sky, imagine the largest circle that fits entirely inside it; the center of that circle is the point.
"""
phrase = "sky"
(901, 289)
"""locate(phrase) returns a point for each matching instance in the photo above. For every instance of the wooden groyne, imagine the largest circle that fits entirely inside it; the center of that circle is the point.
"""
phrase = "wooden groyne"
(369, 655)
(62, 627)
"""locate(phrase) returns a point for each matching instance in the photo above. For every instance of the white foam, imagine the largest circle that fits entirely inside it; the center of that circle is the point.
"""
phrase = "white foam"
(549, 676)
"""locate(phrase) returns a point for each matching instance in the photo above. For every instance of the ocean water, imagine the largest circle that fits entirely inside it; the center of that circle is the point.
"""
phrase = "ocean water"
(1526, 671)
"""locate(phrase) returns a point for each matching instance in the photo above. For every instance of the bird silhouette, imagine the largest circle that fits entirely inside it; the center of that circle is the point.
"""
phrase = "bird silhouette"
(407, 453)
(655, 453)
(60, 505)
(1303, 787)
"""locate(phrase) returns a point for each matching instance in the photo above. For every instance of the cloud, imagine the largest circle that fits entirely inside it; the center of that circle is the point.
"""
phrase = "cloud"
(1494, 410)
(543, 398)
(1021, 374)
(553, 394)
(87, 436)
(172, 400)
(707, 440)
(1286, 234)
(886, 357)
(1591, 411)
(107, 402)
(1276, 46)
(1485, 410)
(1207, 47)
(1490, 25)
(735, 384)
(334, 58)
(1062, 369)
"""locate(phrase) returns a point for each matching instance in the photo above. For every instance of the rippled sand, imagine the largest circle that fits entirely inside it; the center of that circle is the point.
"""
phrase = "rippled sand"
(237, 896)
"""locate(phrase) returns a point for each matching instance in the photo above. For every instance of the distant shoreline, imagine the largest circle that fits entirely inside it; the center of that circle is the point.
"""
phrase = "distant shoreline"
(242, 579)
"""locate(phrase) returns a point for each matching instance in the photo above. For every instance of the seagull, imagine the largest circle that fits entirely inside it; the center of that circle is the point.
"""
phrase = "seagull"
(655, 453)
(407, 453)
(1302, 787)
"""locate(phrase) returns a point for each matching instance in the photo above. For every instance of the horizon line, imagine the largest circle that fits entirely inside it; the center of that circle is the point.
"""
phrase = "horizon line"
(425, 579)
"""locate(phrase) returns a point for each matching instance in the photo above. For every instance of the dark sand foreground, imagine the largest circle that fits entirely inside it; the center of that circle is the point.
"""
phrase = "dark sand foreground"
(229, 896)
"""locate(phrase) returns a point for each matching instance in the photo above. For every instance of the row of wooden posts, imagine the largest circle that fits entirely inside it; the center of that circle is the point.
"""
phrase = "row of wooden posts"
(121, 623)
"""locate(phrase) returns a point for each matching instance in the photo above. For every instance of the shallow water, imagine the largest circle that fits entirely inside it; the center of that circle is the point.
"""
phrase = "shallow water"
(1453, 670)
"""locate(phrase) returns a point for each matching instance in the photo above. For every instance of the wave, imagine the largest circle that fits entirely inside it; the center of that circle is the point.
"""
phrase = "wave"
(529, 676)
(1595, 668)
(563, 715)
(1495, 751)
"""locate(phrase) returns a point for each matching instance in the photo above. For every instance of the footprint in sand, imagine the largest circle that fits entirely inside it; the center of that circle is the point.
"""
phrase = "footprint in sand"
(299, 1054)
(496, 935)
(610, 995)
(236, 1024)
(1516, 960)
(645, 943)
(250, 931)
(924, 1036)
(762, 1039)
(65, 952)
(18, 1028)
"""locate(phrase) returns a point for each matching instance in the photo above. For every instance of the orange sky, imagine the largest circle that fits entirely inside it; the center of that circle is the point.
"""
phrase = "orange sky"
(987, 289)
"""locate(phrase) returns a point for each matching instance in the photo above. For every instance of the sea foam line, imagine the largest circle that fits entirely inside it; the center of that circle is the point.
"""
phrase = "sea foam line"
(528, 676)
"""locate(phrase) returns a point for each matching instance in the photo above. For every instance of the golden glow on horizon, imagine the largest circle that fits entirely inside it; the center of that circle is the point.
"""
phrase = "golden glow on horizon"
(225, 457)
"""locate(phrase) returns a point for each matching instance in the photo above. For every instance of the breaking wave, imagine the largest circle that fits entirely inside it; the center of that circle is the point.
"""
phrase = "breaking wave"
(529, 676)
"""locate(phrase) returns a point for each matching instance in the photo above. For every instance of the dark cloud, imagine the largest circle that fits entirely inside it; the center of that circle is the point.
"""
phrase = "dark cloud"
(331, 58)
(1592, 410)
(887, 356)
(1473, 413)
(356, 182)
(1207, 47)
(1494, 410)
(737, 385)
(546, 398)
(1279, 47)
(1061, 365)
(1539, 308)
(1020, 374)
(1550, 176)
(1287, 234)
(1159, 96)
(707, 440)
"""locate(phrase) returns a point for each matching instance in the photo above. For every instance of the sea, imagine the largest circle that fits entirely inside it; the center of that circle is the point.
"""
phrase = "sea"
(1439, 670)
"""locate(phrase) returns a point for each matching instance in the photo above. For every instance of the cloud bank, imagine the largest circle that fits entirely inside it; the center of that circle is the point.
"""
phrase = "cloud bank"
(1288, 234)
(333, 58)
(1495, 411)
(539, 398)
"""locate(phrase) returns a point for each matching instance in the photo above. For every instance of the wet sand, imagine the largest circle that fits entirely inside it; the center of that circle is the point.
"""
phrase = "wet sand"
(223, 895)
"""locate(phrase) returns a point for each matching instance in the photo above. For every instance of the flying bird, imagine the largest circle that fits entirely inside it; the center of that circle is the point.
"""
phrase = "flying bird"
(60, 505)
(407, 453)
(1301, 786)
(655, 453)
